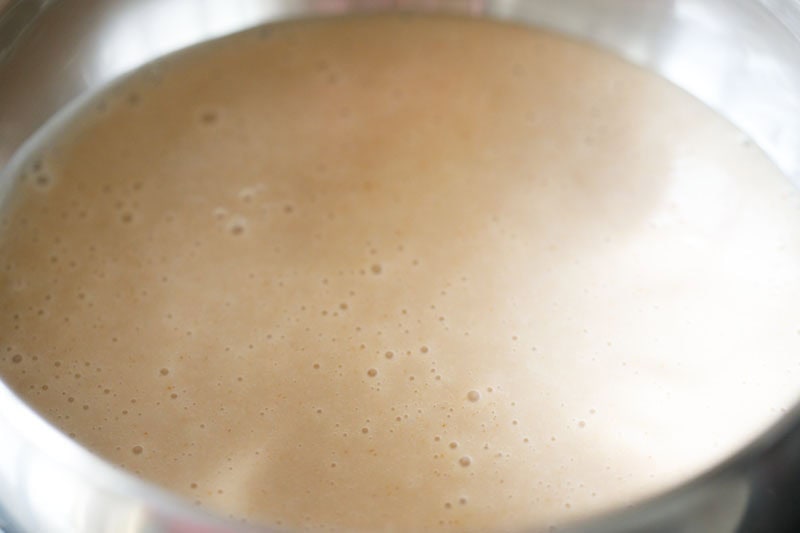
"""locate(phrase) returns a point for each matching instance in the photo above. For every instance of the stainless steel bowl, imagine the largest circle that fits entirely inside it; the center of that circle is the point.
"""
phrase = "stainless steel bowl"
(741, 57)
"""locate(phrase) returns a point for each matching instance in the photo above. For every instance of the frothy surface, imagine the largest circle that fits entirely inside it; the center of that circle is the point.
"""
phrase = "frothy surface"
(402, 273)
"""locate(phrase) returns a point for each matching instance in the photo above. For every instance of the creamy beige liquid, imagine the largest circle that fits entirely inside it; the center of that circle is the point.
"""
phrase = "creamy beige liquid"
(402, 273)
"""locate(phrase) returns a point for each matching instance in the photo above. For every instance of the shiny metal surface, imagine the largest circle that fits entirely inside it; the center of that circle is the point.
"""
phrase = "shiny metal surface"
(741, 57)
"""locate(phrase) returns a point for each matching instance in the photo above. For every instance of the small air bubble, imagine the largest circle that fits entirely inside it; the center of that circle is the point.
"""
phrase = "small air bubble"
(16, 358)
(42, 181)
(209, 117)
(473, 396)
(164, 371)
(137, 450)
(424, 349)
(389, 355)
(465, 461)
(372, 372)
(376, 268)
(453, 445)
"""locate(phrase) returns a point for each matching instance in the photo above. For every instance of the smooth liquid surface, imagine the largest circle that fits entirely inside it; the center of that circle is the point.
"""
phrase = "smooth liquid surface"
(403, 273)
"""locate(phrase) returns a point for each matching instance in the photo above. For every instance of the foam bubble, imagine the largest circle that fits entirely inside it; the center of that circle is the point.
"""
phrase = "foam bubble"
(209, 117)
(473, 396)
(41, 180)
(236, 228)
